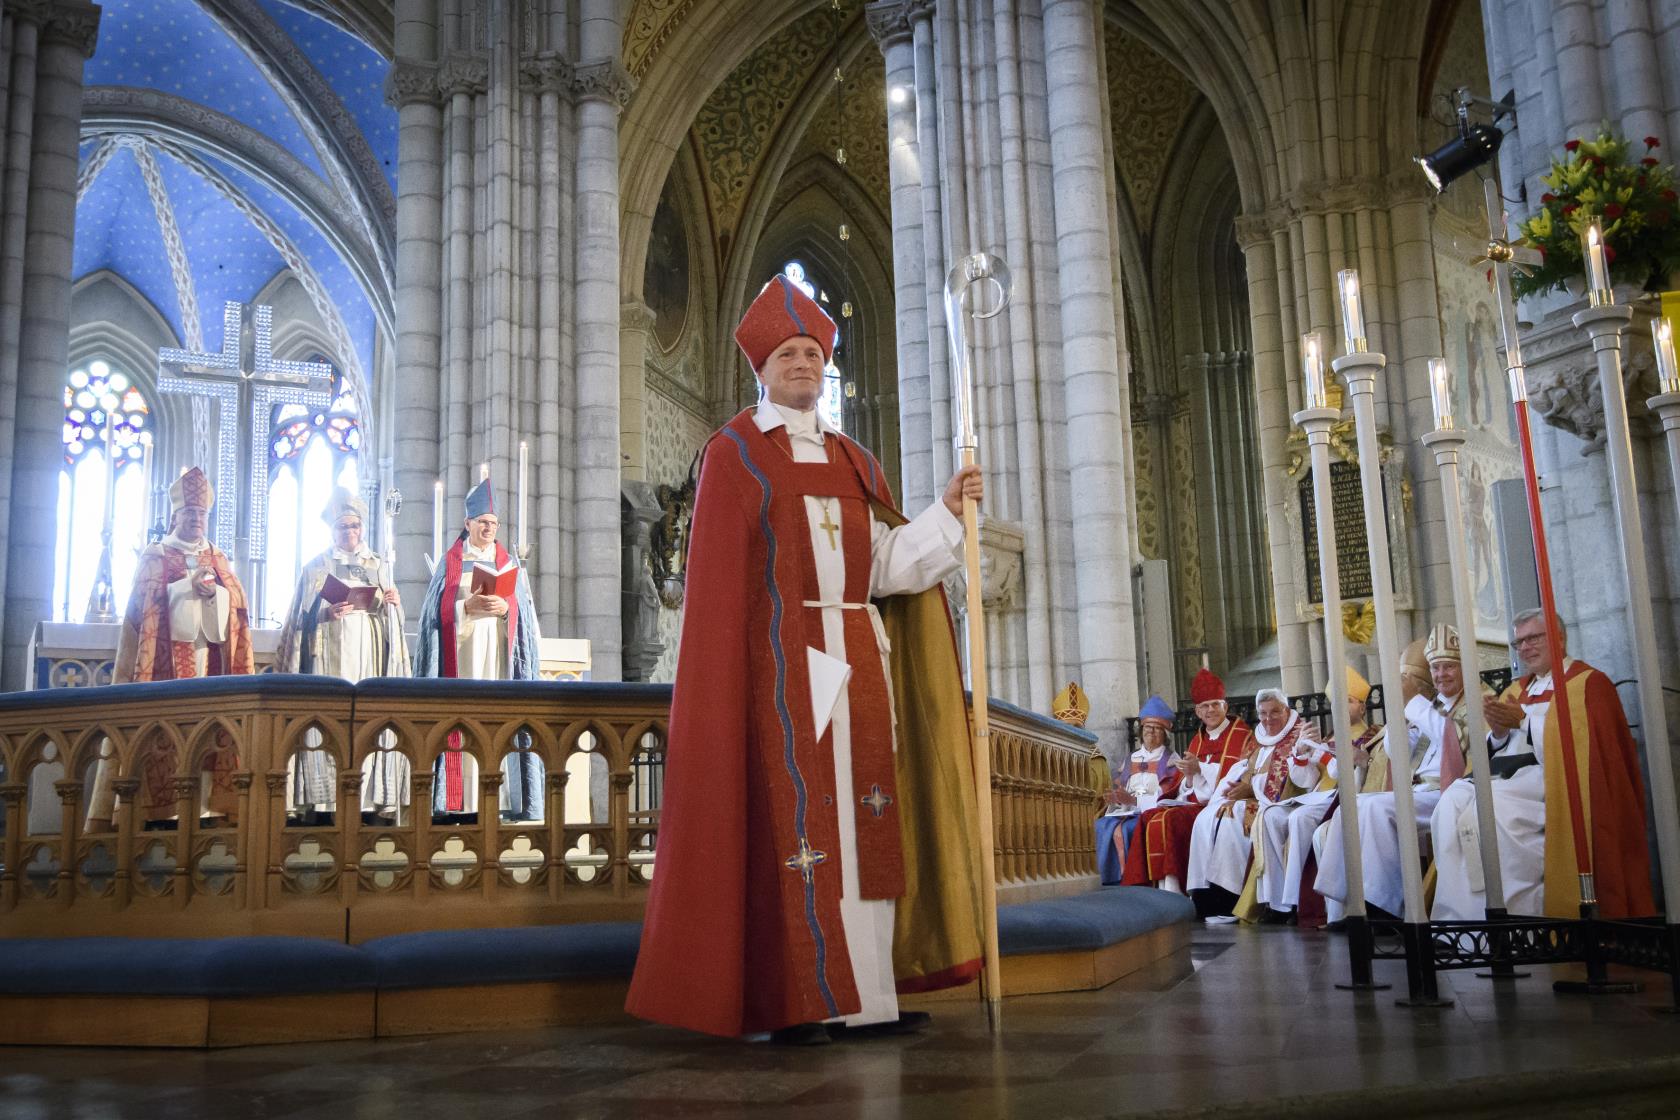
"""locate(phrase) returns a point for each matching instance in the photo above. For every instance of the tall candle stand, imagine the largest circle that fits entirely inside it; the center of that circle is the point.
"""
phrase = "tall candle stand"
(1358, 369)
(1315, 421)
(1666, 405)
(1446, 441)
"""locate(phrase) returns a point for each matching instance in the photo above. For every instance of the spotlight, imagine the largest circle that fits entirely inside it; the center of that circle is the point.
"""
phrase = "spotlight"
(1474, 146)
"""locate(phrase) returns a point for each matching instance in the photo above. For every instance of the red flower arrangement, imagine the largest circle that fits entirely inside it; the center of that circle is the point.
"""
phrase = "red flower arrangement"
(1634, 201)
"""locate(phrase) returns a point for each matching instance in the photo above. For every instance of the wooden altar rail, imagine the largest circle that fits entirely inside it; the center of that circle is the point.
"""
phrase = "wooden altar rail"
(587, 860)
(1044, 797)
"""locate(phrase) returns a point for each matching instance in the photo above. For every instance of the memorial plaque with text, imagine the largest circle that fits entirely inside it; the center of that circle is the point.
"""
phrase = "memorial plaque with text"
(1348, 508)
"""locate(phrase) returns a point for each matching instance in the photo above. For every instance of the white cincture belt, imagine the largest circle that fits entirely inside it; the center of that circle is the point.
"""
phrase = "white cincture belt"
(869, 608)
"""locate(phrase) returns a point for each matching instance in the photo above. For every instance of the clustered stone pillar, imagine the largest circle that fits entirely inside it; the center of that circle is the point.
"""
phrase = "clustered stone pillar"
(507, 289)
(970, 84)
(43, 46)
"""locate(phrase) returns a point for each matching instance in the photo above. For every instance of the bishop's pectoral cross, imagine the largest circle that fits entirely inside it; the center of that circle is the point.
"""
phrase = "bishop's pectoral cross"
(827, 525)
(246, 381)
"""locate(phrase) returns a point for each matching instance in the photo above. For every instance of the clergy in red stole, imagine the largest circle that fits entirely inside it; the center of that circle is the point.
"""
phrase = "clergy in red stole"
(1531, 798)
(816, 850)
(186, 618)
(1159, 852)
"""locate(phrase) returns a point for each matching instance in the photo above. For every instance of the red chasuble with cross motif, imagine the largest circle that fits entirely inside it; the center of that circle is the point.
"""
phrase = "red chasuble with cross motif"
(743, 930)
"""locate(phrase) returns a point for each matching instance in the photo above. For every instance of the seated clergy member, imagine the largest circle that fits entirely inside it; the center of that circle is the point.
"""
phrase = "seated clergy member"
(482, 635)
(1221, 842)
(349, 627)
(816, 838)
(1159, 852)
(186, 618)
(1287, 831)
(1531, 799)
(1436, 737)
(1151, 775)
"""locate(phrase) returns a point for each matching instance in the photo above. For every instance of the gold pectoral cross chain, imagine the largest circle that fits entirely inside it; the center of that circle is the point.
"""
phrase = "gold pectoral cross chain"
(827, 524)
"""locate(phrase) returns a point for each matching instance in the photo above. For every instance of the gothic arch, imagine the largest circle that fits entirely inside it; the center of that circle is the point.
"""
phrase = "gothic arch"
(329, 126)
(175, 123)
(710, 42)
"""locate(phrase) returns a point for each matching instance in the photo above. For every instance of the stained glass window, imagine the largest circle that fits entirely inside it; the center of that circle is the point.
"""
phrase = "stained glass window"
(309, 453)
(832, 401)
(107, 440)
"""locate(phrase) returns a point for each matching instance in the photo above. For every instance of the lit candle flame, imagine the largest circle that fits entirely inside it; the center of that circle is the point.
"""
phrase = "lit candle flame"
(1440, 394)
(1353, 312)
(1312, 370)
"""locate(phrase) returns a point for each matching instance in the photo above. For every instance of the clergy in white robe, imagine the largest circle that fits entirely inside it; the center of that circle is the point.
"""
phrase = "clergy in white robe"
(1287, 831)
(1435, 736)
(1531, 803)
(345, 621)
(483, 635)
(1221, 844)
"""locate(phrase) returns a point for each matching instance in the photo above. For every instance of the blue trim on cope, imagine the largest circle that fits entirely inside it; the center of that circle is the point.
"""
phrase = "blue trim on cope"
(801, 798)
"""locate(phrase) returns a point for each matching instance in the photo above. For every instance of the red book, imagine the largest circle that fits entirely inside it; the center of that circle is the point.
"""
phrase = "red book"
(488, 581)
(360, 596)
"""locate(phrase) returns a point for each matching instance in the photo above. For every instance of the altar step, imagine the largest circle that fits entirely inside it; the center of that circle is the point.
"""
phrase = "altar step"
(241, 991)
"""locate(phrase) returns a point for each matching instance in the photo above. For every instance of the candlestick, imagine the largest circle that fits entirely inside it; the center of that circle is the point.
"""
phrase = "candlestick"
(1353, 312)
(1440, 394)
(524, 469)
(437, 521)
(1316, 421)
(1598, 270)
(1359, 374)
(1312, 370)
(1662, 341)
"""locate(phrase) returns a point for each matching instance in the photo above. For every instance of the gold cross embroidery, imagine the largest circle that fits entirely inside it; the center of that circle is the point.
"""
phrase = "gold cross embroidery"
(828, 526)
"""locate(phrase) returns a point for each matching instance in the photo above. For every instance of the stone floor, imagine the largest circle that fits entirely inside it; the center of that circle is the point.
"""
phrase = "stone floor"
(1248, 1025)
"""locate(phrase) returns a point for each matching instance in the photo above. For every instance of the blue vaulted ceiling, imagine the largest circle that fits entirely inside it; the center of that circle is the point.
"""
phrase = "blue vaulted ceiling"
(176, 47)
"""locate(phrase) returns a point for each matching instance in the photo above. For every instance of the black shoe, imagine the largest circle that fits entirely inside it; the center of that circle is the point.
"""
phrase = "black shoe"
(908, 1022)
(801, 1034)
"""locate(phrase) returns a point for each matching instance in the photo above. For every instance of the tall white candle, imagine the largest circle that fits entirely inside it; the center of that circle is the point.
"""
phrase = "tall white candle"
(1598, 269)
(1662, 340)
(524, 471)
(1440, 394)
(483, 471)
(437, 521)
(1353, 312)
(1312, 370)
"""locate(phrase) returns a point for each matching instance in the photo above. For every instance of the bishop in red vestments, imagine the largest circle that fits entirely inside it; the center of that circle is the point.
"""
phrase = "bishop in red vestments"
(816, 845)
(1160, 848)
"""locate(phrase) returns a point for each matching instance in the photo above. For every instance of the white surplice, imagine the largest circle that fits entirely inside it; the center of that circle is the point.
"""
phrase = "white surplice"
(1220, 845)
(193, 617)
(1286, 829)
(903, 560)
(1519, 813)
(1379, 831)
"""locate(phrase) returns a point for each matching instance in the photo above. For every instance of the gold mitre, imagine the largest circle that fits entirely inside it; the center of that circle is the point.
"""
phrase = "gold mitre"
(1442, 644)
(191, 489)
(1415, 665)
(1071, 705)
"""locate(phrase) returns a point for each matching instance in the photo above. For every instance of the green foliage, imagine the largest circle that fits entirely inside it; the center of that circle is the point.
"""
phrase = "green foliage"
(1634, 201)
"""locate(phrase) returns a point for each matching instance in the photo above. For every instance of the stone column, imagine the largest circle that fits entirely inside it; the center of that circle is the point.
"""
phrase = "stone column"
(1273, 354)
(602, 88)
(890, 24)
(66, 36)
(635, 335)
(412, 87)
(1090, 365)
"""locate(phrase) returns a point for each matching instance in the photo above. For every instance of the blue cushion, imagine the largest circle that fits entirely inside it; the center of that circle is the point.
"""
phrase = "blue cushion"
(453, 957)
(1088, 921)
(181, 966)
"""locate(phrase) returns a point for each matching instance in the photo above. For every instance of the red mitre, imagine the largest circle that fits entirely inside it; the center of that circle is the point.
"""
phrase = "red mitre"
(1206, 687)
(780, 312)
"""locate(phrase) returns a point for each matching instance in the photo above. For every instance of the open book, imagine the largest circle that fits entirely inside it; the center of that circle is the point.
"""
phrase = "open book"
(489, 581)
(360, 596)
